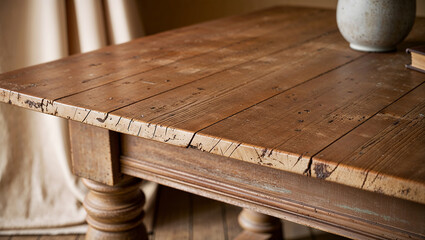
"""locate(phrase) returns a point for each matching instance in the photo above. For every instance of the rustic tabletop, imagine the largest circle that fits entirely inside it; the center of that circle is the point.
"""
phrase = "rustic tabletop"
(277, 87)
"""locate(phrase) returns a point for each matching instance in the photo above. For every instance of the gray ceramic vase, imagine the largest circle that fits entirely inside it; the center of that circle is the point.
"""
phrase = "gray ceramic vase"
(375, 25)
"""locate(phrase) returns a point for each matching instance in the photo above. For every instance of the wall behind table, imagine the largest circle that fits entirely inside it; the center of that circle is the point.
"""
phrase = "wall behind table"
(161, 15)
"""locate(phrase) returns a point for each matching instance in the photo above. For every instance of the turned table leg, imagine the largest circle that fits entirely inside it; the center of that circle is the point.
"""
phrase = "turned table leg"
(115, 212)
(259, 226)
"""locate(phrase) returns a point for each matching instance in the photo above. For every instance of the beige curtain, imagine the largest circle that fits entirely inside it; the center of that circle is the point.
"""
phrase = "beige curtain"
(37, 189)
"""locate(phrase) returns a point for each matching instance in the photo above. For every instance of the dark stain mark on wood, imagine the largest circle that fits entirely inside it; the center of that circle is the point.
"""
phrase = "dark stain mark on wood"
(31, 104)
(321, 170)
(102, 120)
(173, 138)
(405, 191)
(263, 153)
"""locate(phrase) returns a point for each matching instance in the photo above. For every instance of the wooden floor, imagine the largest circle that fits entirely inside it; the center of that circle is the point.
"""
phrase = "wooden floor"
(180, 215)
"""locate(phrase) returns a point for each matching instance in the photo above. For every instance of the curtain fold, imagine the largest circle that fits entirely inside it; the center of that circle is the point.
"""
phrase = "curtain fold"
(37, 189)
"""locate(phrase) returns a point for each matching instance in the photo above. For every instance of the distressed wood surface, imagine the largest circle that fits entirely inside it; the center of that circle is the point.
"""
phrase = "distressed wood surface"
(278, 88)
(309, 201)
(95, 153)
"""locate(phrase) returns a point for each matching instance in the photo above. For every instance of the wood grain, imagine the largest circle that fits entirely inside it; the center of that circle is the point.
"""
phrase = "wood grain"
(370, 156)
(320, 204)
(276, 88)
(95, 153)
(115, 212)
(82, 71)
(173, 215)
(208, 217)
(232, 227)
(287, 130)
(59, 237)
(267, 40)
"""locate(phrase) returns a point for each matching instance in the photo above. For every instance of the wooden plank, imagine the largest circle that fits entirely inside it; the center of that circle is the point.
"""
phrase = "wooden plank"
(24, 238)
(227, 57)
(81, 72)
(245, 235)
(150, 189)
(139, 119)
(95, 153)
(200, 104)
(320, 204)
(370, 155)
(59, 237)
(208, 219)
(150, 83)
(232, 226)
(174, 215)
(285, 131)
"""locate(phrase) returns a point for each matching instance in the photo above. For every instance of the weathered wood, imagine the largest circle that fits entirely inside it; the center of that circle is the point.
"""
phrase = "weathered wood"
(115, 212)
(269, 117)
(310, 201)
(247, 235)
(290, 128)
(395, 139)
(202, 103)
(25, 237)
(146, 84)
(84, 71)
(95, 153)
(258, 223)
(278, 88)
(232, 226)
(59, 237)
(208, 218)
(174, 215)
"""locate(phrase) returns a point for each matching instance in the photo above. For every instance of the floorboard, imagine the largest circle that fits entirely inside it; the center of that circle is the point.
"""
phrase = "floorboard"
(178, 215)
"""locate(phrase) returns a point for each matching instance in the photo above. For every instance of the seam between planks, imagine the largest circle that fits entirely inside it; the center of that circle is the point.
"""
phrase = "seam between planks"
(194, 56)
(360, 124)
(282, 92)
(226, 69)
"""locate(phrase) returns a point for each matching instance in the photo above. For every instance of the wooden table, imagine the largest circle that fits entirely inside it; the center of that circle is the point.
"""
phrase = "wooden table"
(270, 111)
